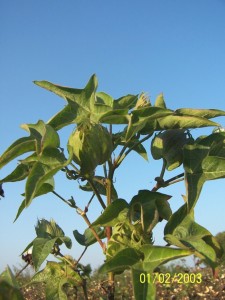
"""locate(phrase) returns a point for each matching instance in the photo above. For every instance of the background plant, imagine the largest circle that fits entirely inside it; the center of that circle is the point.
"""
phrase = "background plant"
(124, 230)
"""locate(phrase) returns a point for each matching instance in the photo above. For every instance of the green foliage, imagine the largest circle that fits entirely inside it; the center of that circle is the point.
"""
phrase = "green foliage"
(9, 287)
(128, 226)
(220, 237)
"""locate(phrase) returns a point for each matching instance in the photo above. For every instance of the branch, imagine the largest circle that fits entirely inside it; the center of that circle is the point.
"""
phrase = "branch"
(17, 275)
(60, 197)
(119, 159)
(84, 216)
(96, 193)
(81, 255)
(161, 183)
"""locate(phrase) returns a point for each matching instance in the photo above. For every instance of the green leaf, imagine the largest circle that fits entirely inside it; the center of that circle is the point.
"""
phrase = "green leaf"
(123, 260)
(153, 257)
(48, 233)
(49, 229)
(203, 161)
(88, 238)
(116, 116)
(56, 275)
(203, 113)
(46, 187)
(176, 219)
(35, 180)
(50, 157)
(110, 216)
(145, 290)
(21, 208)
(169, 146)
(163, 208)
(126, 102)
(157, 255)
(100, 186)
(18, 148)
(40, 174)
(44, 134)
(159, 102)
(103, 99)
(9, 287)
(143, 207)
(8, 277)
(42, 247)
(176, 122)
(83, 104)
(20, 173)
(142, 117)
(143, 101)
(192, 235)
(132, 144)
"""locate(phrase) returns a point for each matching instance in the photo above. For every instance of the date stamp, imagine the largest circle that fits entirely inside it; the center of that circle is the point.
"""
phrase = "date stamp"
(167, 278)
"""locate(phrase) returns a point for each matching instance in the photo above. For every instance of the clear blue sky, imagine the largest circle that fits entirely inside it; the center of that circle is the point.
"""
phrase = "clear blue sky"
(175, 47)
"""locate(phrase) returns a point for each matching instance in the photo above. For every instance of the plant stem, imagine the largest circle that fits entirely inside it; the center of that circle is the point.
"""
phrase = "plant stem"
(111, 279)
(17, 275)
(96, 193)
(161, 183)
(119, 159)
(81, 255)
(163, 169)
(84, 216)
(174, 179)
(60, 197)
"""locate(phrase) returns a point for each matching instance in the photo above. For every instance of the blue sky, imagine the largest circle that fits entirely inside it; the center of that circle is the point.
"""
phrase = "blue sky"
(175, 47)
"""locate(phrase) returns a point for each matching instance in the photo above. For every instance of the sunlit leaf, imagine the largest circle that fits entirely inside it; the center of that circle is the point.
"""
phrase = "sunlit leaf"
(56, 275)
(48, 233)
(126, 102)
(123, 260)
(159, 102)
(143, 207)
(18, 148)
(100, 186)
(20, 173)
(203, 113)
(111, 214)
(88, 238)
(203, 161)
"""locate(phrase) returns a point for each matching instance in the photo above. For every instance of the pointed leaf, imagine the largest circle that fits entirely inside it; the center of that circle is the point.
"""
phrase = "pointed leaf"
(203, 113)
(141, 118)
(205, 160)
(157, 255)
(126, 102)
(111, 214)
(143, 207)
(123, 260)
(42, 247)
(18, 148)
(21, 208)
(56, 275)
(20, 173)
(39, 175)
(8, 276)
(159, 102)
(44, 134)
(9, 288)
(88, 238)
(116, 116)
(176, 122)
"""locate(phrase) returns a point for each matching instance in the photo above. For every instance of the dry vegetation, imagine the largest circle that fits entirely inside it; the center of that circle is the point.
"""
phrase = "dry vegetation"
(209, 288)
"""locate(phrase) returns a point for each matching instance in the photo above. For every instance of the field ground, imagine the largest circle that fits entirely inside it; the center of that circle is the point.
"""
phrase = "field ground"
(208, 289)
